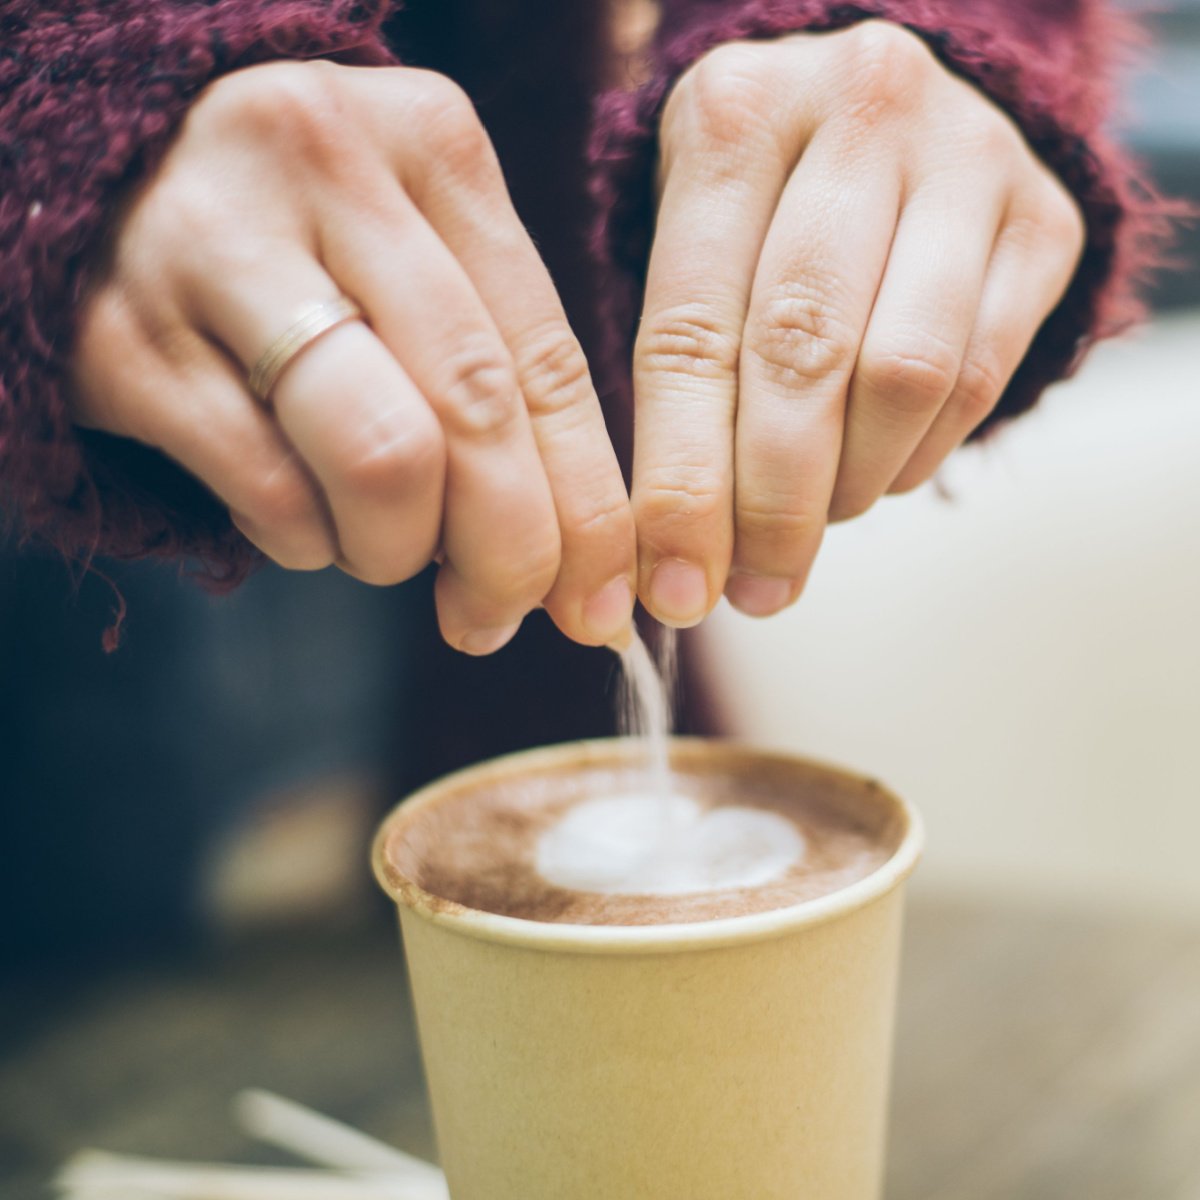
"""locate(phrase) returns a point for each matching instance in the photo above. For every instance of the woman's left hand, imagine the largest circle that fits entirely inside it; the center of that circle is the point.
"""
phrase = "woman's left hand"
(854, 250)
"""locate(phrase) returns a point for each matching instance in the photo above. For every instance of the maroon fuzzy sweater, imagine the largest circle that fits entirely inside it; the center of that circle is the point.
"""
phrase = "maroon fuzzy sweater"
(91, 92)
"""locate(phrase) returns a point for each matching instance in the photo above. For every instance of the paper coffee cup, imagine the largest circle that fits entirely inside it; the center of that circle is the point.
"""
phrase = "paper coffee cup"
(745, 1058)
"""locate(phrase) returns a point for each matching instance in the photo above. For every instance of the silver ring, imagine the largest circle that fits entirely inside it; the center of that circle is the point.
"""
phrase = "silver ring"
(314, 322)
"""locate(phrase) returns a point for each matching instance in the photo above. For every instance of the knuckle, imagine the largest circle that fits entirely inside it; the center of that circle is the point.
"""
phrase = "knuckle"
(978, 389)
(464, 148)
(775, 520)
(729, 60)
(981, 145)
(104, 321)
(609, 520)
(888, 57)
(392, 459)
(996, 140)
(295, 101)
(678, 495)
(892, 49)
(1061, 219)
(215, 257)
(479, 396)
(542, 570)
(436, 97)
(912, 379)
(688, 341)
(448, 123)
(124, 338)
(529, 573)
(281, 500)
(888, 64)
(798, 337)
(554, 372)
(724, 96)
(182, 213)
(1026, 231)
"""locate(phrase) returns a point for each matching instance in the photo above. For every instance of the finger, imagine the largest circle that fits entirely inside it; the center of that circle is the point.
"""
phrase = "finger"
(1031, 267)
(196, 411)
(816, 282)
(460, 190)
(499, 530)
(916, 336)
(352, 413)
(723, 177)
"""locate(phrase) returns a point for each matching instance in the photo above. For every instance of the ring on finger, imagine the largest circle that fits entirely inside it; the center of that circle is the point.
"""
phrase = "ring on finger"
(313, 322)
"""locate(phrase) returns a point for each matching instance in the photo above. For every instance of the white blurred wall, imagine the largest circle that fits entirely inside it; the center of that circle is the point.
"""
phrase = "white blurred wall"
(1022, 661)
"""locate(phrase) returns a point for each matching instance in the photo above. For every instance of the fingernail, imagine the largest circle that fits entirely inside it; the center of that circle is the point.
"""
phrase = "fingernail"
(758, 595)
(678, 592)
(610, 610)
(485, 641)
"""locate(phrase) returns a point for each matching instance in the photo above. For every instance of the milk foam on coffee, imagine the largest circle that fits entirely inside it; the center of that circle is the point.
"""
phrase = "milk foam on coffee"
(642, 843)
(655, 841)
(577, 845)
(648, 836)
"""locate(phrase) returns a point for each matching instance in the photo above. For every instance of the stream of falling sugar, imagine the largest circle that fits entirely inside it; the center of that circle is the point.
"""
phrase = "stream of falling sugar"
(647, 708)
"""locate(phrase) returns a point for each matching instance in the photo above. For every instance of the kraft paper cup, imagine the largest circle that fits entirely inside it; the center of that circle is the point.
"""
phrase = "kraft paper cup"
(745, 1058)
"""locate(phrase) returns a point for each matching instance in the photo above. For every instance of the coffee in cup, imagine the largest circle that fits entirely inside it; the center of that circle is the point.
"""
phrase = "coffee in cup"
(599, 845)
(597, 1026)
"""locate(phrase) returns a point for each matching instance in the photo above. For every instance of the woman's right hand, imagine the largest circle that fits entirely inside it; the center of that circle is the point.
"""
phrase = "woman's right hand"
(458, 421)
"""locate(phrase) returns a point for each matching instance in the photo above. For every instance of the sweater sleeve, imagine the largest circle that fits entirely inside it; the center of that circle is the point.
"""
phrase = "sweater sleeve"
(90, 97)
(1050, 66)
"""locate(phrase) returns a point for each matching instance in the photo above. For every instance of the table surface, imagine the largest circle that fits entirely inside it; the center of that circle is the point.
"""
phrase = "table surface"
(1042, 1055)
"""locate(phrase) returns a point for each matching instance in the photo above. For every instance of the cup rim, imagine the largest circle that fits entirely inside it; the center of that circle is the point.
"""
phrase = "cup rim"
(634, 939)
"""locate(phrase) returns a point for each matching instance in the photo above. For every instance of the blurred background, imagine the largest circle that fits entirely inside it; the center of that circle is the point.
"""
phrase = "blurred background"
(1015, 649)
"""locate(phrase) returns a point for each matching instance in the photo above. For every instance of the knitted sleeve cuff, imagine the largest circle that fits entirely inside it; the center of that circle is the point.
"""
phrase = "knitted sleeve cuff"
(1011, 61)
(90, 97)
